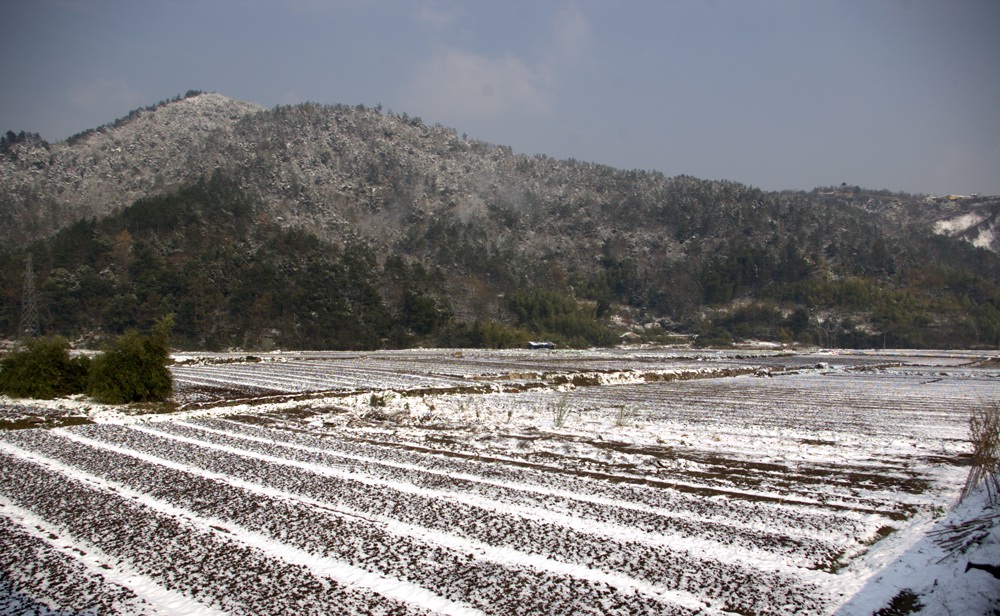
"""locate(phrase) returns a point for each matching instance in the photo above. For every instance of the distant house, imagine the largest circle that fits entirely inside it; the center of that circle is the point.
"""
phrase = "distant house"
(541, 345)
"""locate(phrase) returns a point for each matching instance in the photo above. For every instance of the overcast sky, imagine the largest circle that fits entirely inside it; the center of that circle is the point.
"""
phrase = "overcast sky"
(897, 94)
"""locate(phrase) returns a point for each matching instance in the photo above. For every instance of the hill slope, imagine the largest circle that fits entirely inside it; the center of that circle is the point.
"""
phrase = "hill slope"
(45, 187)
(451, 234)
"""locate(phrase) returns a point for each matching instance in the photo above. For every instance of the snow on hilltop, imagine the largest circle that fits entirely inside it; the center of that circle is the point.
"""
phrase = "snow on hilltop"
(112, 166)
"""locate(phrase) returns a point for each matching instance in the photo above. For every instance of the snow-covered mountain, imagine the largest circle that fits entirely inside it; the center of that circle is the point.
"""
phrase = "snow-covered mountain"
(484, 221)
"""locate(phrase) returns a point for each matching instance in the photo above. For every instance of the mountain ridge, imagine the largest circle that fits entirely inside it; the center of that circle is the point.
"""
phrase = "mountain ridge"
(95, 172)
(176, 142)
(635, 245)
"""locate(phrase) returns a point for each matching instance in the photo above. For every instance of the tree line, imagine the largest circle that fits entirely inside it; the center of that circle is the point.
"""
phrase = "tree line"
(232, 278)
(719, 260)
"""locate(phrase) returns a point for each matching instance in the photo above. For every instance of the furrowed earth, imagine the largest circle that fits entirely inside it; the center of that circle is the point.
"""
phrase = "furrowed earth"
(501, 482)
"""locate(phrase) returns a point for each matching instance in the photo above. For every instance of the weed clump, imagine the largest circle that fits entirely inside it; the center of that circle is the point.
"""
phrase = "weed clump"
(984, 432)
(624, 416)
(560, 412)
(905, 602)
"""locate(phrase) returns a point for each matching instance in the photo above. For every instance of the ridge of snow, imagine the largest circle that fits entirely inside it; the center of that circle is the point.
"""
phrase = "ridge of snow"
(160, 599)
(696, 547)
(482, 550)
(344, 573)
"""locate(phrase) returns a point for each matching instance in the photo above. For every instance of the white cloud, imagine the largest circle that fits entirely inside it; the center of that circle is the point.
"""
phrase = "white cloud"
(459, 85)
(437, 15)
(106, 94)
(455, 85)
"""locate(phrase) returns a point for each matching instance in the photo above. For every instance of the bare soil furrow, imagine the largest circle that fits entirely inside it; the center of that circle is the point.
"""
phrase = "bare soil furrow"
(660, 565)
(809, 518)
(811, 551)
(457, 574)
(40, 574)
(199, 562)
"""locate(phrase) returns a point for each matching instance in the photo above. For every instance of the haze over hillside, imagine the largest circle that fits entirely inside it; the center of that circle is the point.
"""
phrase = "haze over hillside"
(443, 229)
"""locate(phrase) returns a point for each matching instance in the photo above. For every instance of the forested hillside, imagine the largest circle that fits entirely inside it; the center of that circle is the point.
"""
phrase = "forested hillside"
(348, 227)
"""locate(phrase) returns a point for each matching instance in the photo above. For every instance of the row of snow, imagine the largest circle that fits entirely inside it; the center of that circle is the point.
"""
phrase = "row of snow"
(738, 495)
(261, 507)
(198, 378)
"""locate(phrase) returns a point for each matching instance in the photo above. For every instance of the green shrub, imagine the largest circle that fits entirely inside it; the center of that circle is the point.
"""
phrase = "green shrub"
(134, 369)
(43, 369)
(550, 315)
(484, 335)
(715, 337)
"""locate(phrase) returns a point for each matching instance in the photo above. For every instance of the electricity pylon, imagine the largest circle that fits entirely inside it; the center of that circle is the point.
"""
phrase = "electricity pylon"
(29, 303)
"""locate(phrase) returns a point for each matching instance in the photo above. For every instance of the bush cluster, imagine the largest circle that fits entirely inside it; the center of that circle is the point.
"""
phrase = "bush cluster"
(554, 316)
(483, 334)
(133, 369)
(43, 369)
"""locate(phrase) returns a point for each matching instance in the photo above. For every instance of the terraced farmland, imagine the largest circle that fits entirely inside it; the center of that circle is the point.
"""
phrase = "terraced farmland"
(490, 483)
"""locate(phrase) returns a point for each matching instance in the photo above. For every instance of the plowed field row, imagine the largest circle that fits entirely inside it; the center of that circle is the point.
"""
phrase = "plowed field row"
(732, 495)
(612, 566)
(404, 371)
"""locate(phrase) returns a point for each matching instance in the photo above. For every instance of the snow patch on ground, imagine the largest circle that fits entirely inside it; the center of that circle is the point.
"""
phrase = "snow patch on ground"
(917, 561)
(958, 224)
(985, 239)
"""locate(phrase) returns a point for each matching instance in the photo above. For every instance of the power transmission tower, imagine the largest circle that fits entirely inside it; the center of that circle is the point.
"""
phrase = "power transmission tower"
(29, 303)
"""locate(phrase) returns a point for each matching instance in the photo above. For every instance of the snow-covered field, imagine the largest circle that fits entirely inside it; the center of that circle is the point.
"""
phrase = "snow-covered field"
(508, 482)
